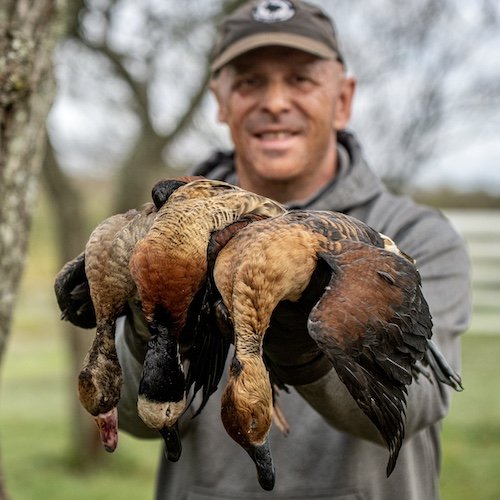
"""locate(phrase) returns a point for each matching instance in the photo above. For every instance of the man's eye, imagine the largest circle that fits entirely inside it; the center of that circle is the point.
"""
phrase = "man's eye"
(300, 79)
(247, 83)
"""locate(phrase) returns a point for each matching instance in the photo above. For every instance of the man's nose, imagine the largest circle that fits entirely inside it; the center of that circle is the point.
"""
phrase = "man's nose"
(276, 98)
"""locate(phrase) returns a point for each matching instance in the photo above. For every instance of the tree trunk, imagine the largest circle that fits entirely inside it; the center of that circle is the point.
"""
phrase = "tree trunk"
(28, 32)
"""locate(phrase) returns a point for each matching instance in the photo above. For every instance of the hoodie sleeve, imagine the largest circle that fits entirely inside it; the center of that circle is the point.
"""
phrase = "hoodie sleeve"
(131, 350)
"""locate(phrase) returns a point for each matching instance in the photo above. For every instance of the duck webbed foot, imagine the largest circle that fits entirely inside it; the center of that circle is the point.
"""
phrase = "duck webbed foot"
(173, 445)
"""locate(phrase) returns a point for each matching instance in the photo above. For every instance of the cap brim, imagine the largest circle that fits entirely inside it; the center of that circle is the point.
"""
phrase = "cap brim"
(291, 40)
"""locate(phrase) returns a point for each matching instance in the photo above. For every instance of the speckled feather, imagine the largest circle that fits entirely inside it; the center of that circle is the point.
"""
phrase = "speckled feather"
(106, 260)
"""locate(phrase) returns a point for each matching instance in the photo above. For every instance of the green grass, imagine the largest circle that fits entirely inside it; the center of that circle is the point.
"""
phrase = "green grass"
(471, 437)
(35, 430)
(36, 393)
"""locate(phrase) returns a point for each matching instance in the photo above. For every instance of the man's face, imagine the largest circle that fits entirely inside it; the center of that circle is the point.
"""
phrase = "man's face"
(283, 107)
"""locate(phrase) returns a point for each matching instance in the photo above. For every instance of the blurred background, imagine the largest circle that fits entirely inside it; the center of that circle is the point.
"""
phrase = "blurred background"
(130, 107)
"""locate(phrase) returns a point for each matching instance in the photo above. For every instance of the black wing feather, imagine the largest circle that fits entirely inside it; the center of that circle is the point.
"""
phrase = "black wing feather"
(208, 351)
(73, 294)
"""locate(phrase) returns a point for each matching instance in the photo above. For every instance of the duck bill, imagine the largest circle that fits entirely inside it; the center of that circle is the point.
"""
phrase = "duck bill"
(173, 446)
(107, 423)
(263, 460)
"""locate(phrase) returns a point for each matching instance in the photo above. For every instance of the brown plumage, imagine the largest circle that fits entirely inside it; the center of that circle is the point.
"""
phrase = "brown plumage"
(93, 290)
(170, 268)
(213, 331)
(71, 286)
(361, 302)
(106, 266)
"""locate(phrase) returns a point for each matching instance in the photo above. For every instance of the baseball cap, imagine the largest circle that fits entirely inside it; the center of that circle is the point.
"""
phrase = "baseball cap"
(289, 23)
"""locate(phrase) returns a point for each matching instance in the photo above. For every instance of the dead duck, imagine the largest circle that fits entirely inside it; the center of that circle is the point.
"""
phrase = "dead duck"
(213, 332)
(362, 304)
(93, 290)
(106, 266)
(169, 267)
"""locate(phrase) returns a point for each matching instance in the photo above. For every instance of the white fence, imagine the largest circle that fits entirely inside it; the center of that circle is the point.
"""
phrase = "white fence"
(481, 230)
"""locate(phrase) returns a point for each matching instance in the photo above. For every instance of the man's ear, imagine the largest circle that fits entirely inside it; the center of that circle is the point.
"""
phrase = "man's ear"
(344, 103)
(216, 89)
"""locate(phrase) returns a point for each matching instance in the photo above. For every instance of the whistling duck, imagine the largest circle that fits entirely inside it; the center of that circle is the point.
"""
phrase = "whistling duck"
(106, 266)
(213, 331)
(93, 290)
(362, 305)
(169, 267)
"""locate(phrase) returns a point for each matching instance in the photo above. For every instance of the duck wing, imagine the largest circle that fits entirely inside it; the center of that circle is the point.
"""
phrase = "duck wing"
(72, 292)
(373, 323)
(208, 351)
(440, 367)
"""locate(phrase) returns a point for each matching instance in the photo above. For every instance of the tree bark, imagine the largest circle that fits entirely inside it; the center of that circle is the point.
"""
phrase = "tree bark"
(28, 33)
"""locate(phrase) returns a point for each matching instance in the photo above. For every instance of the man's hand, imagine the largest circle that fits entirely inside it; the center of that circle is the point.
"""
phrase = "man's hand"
(295, 356)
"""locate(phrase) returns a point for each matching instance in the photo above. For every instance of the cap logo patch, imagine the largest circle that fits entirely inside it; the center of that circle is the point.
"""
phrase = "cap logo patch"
(273, 11)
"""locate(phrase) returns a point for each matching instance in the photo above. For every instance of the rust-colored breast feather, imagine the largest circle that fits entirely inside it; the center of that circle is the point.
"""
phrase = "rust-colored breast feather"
(167, 271)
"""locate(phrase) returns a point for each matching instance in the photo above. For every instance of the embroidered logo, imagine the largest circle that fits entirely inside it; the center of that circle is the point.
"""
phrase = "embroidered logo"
(273, 11)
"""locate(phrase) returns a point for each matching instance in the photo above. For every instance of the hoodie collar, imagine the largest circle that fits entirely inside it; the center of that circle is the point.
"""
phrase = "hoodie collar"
(354, 184)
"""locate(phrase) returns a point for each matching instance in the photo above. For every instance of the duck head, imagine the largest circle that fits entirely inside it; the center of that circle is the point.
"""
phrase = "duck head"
(99, 385)
(246, 413)
(163, 189)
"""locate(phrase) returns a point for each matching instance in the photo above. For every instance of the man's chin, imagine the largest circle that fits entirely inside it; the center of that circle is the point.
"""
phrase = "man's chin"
(276, 174)
(277, 165)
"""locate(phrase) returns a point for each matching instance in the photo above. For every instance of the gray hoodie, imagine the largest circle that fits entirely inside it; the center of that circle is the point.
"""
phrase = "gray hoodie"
(332, 451)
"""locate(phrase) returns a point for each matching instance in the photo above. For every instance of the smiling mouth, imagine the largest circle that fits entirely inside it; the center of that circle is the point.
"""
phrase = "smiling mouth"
(274, 136)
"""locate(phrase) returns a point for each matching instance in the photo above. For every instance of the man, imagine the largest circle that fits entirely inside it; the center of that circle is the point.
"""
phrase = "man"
(280, 83)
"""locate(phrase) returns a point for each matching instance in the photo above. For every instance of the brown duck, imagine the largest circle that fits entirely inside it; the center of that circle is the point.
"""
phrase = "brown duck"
(170, 268)
(93, 290)
(111, 286)
(361, 301)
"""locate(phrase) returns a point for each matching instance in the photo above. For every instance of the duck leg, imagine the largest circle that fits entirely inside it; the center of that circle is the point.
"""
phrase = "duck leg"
(279, 417)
